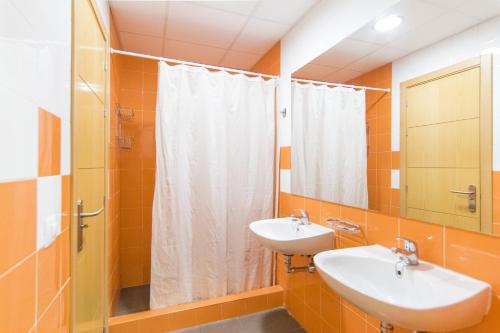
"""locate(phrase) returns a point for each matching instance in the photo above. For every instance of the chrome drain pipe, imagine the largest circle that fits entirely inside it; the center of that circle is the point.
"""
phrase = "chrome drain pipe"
(386, 327)
(293, 269)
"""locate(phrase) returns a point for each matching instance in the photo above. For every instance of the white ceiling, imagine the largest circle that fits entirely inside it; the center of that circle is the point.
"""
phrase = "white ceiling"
(233, 34)
(424, 23)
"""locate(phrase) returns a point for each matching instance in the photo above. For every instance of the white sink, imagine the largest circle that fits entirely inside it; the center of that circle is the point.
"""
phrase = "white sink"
(283, 235)
(426, 297)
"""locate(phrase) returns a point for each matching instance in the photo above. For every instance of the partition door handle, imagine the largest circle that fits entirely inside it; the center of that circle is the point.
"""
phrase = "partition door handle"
(97, 212)
(79, 220)
(472, 194)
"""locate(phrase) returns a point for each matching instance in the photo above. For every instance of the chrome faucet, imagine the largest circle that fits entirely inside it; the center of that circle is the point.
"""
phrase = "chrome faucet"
(408, 255)
(304, 217)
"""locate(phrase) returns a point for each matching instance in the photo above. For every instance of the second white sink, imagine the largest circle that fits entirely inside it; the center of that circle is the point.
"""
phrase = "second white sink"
(283, 235)
(426, 297)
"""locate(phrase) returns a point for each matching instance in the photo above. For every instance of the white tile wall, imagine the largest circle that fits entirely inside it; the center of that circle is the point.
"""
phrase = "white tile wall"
(18, 53)
(35, 72)
(286, 181)
(65, 147)
(394, 178)
(48, 210)
(18, 137)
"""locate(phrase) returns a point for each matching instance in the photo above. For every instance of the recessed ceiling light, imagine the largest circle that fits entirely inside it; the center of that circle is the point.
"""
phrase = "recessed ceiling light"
(388, 23)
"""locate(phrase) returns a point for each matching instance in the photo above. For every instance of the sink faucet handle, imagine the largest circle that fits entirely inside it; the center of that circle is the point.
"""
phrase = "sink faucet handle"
(304, 216)
(408, 245)
(303, 213)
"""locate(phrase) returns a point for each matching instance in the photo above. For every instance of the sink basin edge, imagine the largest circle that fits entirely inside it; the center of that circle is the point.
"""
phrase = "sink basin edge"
(395, 312)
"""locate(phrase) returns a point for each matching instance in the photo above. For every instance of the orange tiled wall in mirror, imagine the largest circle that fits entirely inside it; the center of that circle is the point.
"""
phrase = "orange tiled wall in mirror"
(317, 307)
(381, 160)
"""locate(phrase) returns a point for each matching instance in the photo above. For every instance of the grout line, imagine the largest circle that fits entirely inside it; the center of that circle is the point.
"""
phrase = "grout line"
(444, 245)
(20, 263)
(59, 298)
(16, 180)
(249, 17)
(36, 289)
(33, 328)
(17, 264)
(56, 297)
(399, 226)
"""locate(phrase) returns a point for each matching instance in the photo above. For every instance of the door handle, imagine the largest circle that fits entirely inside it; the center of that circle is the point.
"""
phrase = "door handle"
(97, 212)
(471, 193)
(79, 220)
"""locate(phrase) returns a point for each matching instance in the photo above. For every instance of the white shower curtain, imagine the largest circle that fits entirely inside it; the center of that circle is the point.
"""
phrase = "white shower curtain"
(214, 175)
(329, 144)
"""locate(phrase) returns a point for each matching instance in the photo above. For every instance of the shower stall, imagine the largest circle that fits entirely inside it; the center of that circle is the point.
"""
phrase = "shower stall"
(195, 152)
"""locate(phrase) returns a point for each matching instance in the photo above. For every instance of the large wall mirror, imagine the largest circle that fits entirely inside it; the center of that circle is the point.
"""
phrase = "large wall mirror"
(398, 117)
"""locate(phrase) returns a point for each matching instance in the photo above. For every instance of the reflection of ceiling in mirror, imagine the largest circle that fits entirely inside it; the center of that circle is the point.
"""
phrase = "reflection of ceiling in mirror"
(424, 23)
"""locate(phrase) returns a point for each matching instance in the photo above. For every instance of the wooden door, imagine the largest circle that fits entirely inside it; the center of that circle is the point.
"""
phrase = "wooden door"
(442, 141)
(89, 106)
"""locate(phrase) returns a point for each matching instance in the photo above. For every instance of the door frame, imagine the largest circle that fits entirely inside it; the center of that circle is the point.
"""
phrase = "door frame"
(73, 206)
(485, 63)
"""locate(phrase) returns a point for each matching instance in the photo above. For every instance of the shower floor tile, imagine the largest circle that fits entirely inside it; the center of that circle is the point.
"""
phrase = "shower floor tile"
(133, 299)
(272, 321)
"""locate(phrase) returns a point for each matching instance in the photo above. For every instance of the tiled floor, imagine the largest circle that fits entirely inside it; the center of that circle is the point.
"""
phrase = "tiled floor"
(133, 299)
(271, 321)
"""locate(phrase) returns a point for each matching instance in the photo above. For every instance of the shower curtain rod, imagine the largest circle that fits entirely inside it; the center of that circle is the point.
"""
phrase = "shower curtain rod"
(343, 85)
(140, 55)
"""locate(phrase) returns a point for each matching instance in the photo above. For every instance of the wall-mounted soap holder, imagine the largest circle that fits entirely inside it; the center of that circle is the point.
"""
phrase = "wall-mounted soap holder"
(124, 114)
(343, 225)
(124, 142)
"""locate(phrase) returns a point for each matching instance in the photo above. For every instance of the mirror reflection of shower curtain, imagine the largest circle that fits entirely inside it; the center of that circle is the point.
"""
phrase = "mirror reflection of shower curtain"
(329, 157)
(214, 175)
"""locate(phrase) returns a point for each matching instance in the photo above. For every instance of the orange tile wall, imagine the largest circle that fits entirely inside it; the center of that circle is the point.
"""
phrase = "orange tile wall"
(319, 309)
(34, 284)
(380, 157)
(137, 90)
(113, 171)
(270, 62)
